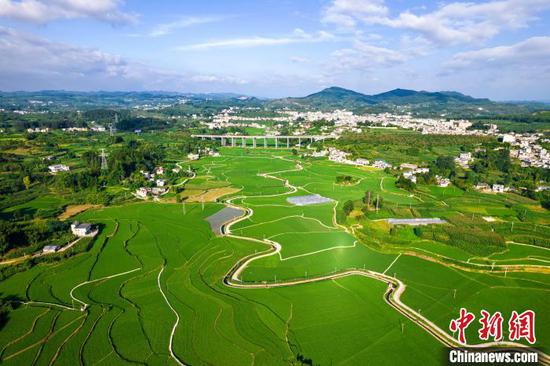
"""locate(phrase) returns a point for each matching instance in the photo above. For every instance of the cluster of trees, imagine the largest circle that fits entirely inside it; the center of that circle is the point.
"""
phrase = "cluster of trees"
(468, 238)
(374, 144)
(490, 159)
(405, 183)
(131, 157)
(444, 166)
(344, 179)
(538, 117)
(31, 234)
(7, 304)
(41, 120)
(106, 115)
(348, 207)
(368, 202)
(77, 181)
(223, 130)
(141, 123)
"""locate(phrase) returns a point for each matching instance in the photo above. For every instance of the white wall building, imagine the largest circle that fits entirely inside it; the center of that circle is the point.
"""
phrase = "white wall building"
(81, 229)
(56, 168)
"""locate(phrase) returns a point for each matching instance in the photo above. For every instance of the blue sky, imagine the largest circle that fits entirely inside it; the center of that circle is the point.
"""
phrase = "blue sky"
(495, 48)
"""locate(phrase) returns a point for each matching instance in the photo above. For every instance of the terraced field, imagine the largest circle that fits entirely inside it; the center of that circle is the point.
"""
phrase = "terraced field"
(158, 287)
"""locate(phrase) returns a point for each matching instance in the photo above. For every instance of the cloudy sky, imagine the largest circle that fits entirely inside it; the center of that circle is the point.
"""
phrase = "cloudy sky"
(494, 48)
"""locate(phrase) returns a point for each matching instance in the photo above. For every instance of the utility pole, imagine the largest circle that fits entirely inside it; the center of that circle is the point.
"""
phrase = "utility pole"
(103, 156)
(112, 126)
(368, 201)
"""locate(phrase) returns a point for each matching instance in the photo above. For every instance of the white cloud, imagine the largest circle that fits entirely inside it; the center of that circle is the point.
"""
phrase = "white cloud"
(185, 22)
(299, 59)
(530, 53)
(452, 23)
(44, 11)
(346, 12)
(298, 36)
(365, 56)
(217, 79)
(30, 62)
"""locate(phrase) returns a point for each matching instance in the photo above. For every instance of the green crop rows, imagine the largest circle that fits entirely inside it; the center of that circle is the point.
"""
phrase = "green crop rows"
(344, 321)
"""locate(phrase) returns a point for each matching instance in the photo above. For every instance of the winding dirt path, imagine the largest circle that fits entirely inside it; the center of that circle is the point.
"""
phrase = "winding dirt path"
(175, 324)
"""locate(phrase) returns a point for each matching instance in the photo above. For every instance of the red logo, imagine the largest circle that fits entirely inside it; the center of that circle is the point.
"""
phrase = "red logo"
(491, 326)
(461, 324)
(520, 326)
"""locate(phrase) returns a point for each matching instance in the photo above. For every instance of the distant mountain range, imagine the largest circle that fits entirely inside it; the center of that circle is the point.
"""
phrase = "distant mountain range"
(340, 96)
(405, 100)
(424, 103)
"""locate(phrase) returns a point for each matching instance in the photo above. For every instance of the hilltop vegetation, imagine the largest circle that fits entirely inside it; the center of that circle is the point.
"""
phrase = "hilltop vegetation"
(422, 103)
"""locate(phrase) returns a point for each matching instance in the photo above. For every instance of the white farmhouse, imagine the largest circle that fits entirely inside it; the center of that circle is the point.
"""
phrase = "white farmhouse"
(442, 182)
(507, 138)
(498, 188)
(50, 249)
(381, 164)
(81, 229)
(408, 166)
(56, 168)
(410, 176)
(141, 192)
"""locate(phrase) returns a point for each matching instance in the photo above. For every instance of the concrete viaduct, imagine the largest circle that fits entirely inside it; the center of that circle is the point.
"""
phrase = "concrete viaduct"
(280, 141)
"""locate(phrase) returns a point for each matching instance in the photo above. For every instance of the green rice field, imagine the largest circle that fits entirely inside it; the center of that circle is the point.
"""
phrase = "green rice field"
(151, 289)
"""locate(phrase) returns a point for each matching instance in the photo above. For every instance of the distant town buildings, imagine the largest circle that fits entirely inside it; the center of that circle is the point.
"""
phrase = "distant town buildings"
(339, 156)
(141, 192)
(409, 174)
(38, 130)
(56, 168)
(442, 182)
(381, 164)
(464, 159)
(48, 249)
(144, 192)
(97, 128)
(498, 188)
(507, 138)
(408, 166)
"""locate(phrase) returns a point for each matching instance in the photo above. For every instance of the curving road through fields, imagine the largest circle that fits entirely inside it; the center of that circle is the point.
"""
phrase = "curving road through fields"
(392, 295)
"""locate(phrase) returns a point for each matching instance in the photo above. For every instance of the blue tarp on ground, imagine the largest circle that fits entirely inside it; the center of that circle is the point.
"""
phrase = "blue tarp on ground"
(310, 199)
(221, 217)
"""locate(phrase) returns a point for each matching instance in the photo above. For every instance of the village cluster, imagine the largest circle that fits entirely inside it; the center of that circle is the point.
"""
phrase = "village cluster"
(410, 171)
(524, 146)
